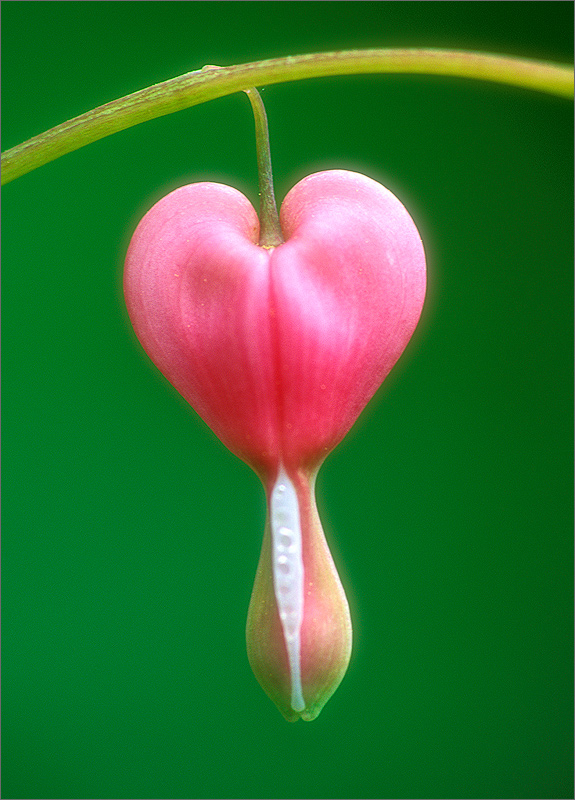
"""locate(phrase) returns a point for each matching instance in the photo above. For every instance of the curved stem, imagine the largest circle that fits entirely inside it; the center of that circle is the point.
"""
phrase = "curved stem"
(203, 85)
(270, 229)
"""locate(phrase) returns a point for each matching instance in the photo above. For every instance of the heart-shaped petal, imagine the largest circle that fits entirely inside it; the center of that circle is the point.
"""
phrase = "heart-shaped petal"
(277, 349)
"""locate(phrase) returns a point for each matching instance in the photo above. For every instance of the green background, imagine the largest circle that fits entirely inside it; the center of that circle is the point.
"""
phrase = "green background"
(131, 535)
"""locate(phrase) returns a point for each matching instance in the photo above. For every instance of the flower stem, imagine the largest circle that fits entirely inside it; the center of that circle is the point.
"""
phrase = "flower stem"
(270, 230)
(203, 85)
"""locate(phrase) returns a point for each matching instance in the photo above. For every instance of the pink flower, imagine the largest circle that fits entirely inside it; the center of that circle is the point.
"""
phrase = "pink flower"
(279, 350)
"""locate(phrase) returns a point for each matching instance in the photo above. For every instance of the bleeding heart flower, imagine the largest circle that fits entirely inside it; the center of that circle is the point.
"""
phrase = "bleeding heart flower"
(279, 349)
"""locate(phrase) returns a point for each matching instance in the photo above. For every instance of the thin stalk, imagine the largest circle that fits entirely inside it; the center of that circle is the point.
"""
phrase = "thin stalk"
(270, 229)
(203, 85)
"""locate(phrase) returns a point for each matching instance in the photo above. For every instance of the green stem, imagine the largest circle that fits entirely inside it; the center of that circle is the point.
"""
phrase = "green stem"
(270, 229)
(203, 85)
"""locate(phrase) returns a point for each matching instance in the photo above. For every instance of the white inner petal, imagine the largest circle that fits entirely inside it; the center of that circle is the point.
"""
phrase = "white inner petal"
(287, 565)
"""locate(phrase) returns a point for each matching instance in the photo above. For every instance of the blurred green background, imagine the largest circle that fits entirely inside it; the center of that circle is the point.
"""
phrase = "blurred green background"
(131, 535)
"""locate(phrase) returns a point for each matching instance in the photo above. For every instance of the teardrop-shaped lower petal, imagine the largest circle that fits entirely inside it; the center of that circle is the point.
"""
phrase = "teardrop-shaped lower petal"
(324, 634)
